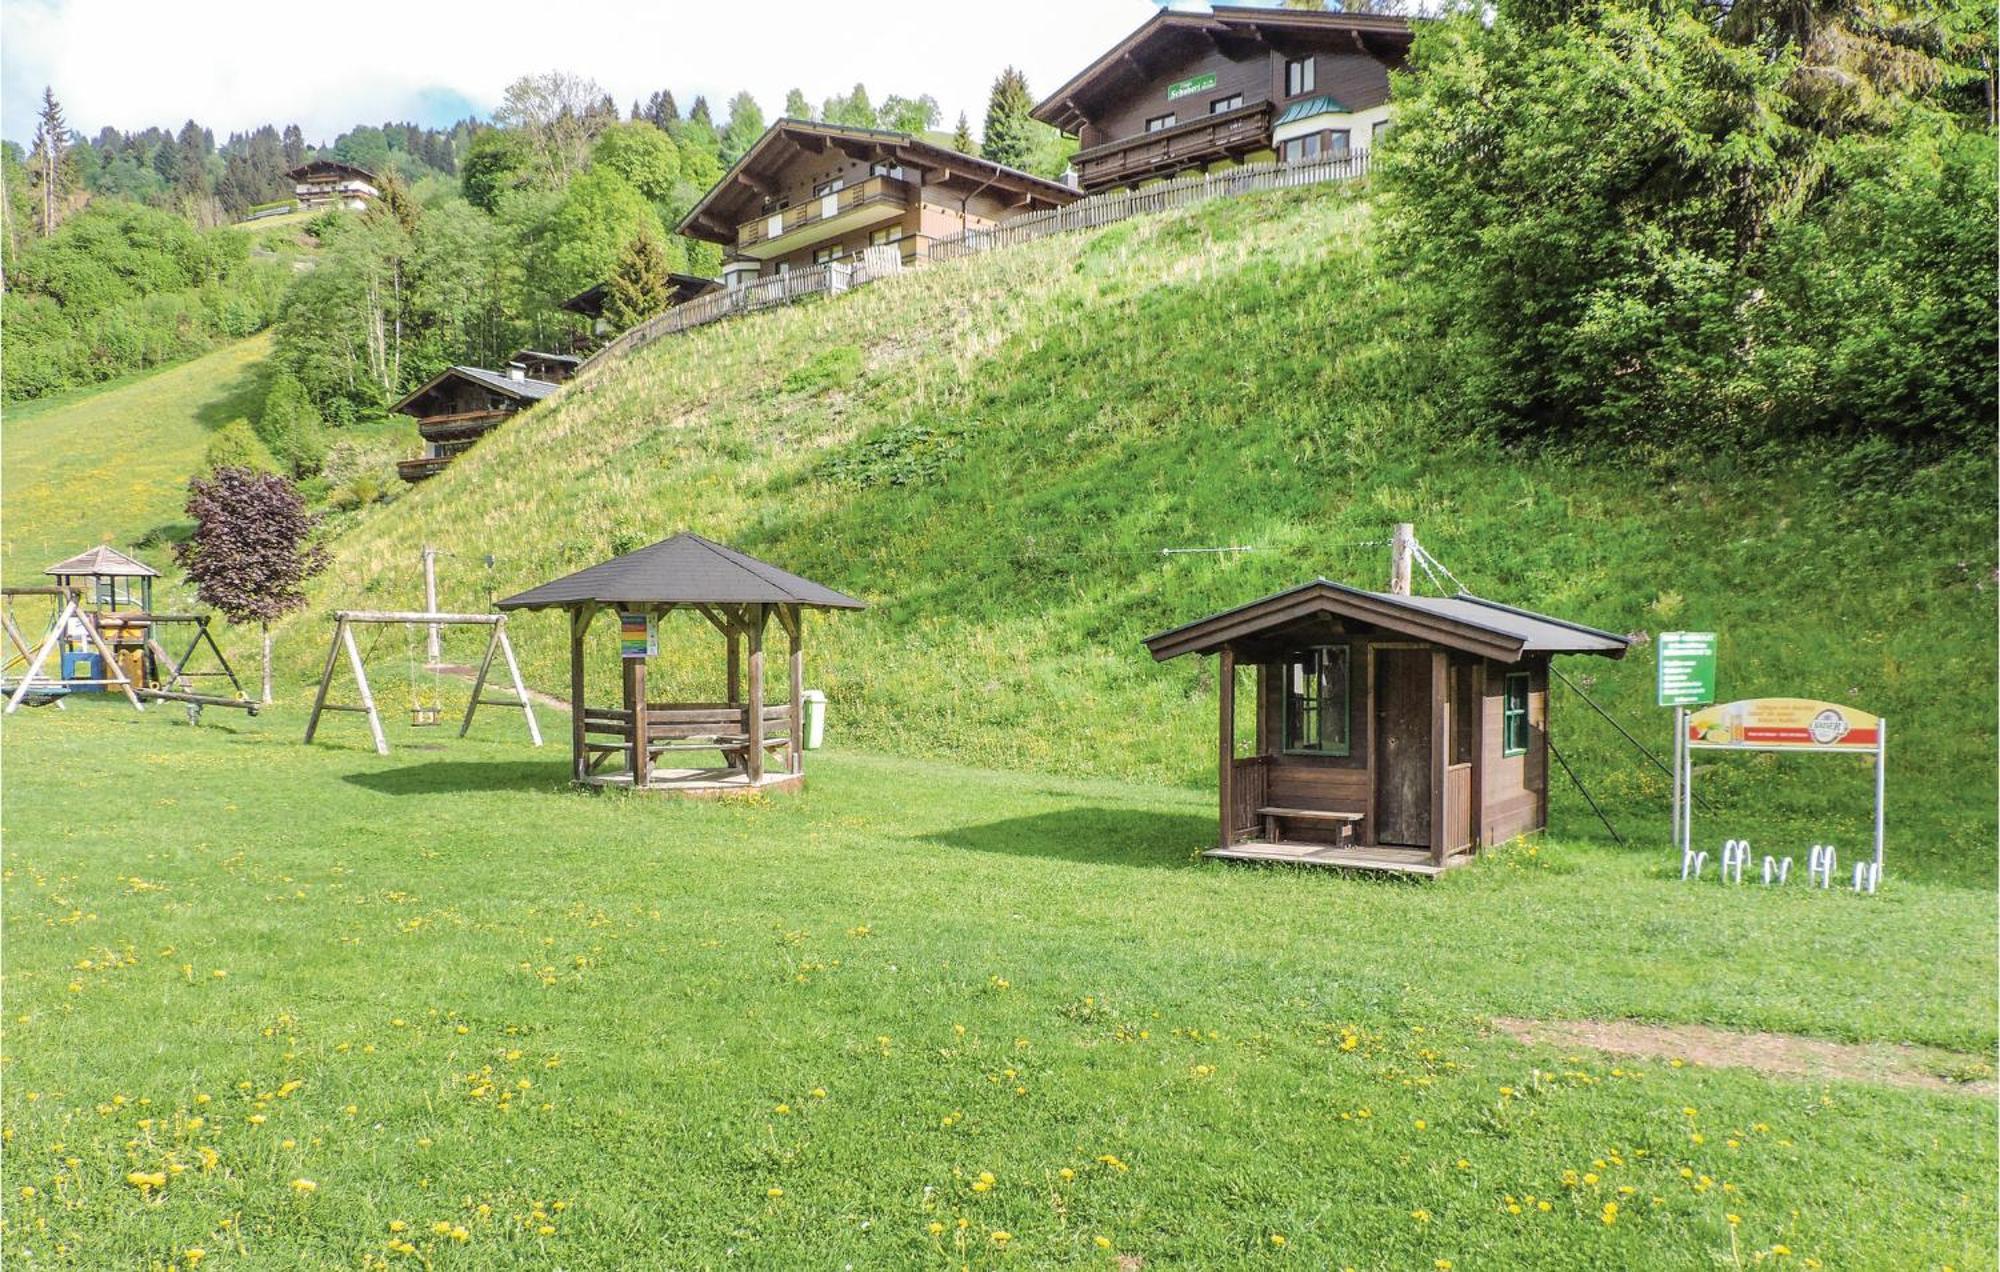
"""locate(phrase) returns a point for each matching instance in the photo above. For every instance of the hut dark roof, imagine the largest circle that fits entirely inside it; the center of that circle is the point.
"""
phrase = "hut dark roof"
(589, 302)
(104, 562)
(684, 570)
(332, 167)
(1464, 622)
(525, 389)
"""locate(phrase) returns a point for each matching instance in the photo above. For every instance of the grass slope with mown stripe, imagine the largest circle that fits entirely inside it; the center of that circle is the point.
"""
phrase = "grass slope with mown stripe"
(996, 452)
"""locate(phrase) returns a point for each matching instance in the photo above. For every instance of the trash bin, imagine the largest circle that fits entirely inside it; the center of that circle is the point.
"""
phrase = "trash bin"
(815, 705)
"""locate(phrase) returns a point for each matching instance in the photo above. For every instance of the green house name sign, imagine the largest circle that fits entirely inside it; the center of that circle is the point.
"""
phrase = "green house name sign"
(1181, 88)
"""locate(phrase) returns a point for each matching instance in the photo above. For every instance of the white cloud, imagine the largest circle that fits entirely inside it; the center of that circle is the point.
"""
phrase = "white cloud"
(234, 64)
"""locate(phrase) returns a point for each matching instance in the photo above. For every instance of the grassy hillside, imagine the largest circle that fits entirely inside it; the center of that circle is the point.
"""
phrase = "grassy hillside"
(110, 463)
(995, 453)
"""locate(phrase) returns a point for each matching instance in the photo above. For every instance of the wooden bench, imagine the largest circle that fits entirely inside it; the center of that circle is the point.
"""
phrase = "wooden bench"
(1342, 823)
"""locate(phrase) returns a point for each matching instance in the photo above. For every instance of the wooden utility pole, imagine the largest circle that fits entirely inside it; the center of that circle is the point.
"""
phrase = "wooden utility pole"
(432, 650)
(1402, 547)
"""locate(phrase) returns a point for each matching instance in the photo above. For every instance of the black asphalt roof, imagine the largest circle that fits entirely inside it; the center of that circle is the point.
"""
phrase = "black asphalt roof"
(684, 570)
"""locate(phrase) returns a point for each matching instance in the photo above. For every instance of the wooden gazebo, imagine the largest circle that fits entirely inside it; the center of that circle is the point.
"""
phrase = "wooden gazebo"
(1394, 732)
(739, 596)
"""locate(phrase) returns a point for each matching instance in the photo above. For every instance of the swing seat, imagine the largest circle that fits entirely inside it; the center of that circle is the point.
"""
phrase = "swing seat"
(425, 716)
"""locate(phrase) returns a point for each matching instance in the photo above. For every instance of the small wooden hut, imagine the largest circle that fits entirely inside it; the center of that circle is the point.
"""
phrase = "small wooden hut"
(120, 590)
(1393, 732)
(738, 596)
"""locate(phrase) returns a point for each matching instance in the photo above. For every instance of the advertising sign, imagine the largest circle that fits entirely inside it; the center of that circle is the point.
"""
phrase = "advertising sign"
(1804, 724)
(1687, 669)
(1181, 88)
(638, 636)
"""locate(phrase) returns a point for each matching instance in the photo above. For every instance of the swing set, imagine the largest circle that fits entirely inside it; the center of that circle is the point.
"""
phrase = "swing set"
(426, 710)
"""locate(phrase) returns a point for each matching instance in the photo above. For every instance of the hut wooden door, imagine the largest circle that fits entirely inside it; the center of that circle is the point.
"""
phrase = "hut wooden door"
(1403, 747)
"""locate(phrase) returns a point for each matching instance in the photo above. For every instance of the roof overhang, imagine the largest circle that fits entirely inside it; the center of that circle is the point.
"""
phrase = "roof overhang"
(499, 384)
(1232, 28)
(1484, 628)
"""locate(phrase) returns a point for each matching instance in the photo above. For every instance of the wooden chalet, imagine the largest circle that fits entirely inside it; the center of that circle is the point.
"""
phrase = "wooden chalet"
(1393, 732)
(589, 303)
(328, 183)
(459, 405)
(1202, 89)
(808, 193)
(633, 745)
(551, 368)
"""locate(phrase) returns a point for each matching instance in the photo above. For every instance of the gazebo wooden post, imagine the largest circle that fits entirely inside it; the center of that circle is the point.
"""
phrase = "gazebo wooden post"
(735, 685)
(579, 624)
(796, 630)
(754, 762)
(635, 702)
(1226, 678)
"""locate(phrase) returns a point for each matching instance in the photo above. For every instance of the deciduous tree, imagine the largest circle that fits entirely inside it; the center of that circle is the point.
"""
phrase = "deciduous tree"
(251, 551)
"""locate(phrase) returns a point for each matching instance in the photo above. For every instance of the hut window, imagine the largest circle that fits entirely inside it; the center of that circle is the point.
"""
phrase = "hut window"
(1514, 715)
(1316, 701)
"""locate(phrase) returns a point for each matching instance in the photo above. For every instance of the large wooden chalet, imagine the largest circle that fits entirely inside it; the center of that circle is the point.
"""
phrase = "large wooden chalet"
(459, 405)
(327, 183)
(807, 193)
(1196, 90)
(1393, 732)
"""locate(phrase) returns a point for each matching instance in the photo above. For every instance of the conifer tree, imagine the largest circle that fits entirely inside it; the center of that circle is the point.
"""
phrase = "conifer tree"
(51, 169)
(1008, 136)
(961, 138)
(638, 286)
(796, 106)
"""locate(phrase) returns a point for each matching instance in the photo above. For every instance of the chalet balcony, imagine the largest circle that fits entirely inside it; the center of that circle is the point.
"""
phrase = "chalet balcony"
(1204, 139)
(464, 426)
(873, 202)
(415, 470)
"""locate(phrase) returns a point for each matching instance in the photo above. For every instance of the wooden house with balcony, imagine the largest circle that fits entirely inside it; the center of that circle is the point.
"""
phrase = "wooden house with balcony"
(1393, 733)
(460, 405)
(329, 183)
(809, 193)
(1197, 90)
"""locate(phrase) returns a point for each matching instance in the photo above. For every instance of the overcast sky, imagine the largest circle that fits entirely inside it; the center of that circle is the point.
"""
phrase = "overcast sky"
(234, 64)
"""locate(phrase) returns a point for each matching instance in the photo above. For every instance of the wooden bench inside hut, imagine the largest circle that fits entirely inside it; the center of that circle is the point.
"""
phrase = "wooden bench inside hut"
(743, 742)
(1392, 732)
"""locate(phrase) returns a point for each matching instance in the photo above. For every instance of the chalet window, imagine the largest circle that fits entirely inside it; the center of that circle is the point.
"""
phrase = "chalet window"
(885, 236)
(1375, 133)
(825, 188)
(1220, 104)
(1298, 77)
(1300, 148)
(1316, 701)
(1336, 147)
(1158, 122)
(1514, 715)
(883, 168)
(825, 254)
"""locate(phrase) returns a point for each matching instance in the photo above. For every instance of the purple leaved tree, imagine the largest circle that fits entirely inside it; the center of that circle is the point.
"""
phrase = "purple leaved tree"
(251, 551)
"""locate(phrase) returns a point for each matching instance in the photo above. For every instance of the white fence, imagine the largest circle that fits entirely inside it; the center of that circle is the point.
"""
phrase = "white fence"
(1106, 209)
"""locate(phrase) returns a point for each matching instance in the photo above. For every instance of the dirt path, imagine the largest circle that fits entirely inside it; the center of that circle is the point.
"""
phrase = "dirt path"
(1778, 1055)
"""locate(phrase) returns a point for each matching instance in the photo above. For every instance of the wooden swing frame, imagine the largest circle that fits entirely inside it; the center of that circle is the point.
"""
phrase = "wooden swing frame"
(345, 621)
(70, 609)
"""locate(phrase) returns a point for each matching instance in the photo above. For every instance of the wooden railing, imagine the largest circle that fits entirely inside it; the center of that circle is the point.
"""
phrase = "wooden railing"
(464, 424)
(1248, 781)
(421, 467)
(1203, 137)
(830, 278)
(885, 190)
(1182, 192)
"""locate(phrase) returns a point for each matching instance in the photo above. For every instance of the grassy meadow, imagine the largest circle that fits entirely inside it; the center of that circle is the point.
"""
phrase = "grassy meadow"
(111, 463)
(312, 1007)
(995, 453)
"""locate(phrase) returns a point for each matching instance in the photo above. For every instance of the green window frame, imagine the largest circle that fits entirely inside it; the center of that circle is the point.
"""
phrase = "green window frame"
(1316, 701)
(1514, 715)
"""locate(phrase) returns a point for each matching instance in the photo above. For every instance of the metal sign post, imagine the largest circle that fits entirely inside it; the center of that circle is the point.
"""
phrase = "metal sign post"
(1686, 679)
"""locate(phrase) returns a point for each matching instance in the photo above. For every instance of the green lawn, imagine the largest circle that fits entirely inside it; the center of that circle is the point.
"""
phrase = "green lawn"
(338, 1005)
(109, 464)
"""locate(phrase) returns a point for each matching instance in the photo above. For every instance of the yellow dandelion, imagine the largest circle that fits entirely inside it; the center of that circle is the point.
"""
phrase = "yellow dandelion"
(935, 1228)
(1002, 1238)
(1278, 1239)
(304, 1186)
(1103, 1243)
(774, 1192)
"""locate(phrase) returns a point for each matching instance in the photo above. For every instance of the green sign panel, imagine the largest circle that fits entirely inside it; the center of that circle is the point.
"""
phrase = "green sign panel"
(1687, 669)
(1181, 88)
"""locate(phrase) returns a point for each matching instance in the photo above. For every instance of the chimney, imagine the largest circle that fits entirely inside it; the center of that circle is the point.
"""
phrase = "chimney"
(1400, 545)
(515, 371)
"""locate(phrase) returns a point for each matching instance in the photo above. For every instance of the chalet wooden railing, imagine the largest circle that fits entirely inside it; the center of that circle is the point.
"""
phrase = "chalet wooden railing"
(464, 425)
(876, 190)
(421, 467)
(1182, 192)
(1131, 158)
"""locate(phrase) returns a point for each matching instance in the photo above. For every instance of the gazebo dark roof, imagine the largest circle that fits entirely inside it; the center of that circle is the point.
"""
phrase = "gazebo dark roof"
(102, 562)
(1465, 622)
(684, 570)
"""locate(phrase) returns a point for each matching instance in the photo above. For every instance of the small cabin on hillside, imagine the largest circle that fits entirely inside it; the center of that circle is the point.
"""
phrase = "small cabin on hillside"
(1200, 89)
(589, 303)
(460, 405)
(327, 183)
(809, 193)
(1393, 732)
